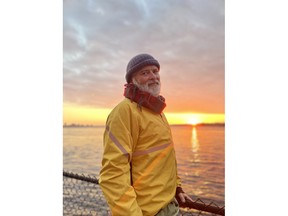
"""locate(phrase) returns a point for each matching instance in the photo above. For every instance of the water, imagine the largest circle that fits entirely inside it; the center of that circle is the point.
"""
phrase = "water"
(200, 153)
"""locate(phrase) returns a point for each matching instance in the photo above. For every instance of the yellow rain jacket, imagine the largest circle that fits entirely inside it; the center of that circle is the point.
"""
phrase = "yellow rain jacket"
(139, 173)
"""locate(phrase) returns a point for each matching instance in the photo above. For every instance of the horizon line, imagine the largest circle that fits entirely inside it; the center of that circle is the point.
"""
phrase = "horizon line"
(103, 125)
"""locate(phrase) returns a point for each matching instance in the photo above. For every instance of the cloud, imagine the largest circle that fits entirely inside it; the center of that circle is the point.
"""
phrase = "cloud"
(100, 37)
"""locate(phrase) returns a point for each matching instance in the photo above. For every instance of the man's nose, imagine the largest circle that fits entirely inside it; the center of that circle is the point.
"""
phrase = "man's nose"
(152, 75)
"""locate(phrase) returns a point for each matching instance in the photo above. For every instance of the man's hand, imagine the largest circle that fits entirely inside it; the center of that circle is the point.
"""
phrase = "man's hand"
(182, 197)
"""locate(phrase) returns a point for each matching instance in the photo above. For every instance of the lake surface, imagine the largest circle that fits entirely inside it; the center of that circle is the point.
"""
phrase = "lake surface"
(200, 152)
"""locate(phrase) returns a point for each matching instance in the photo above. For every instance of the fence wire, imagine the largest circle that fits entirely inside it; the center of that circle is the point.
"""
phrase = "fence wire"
(82, 196)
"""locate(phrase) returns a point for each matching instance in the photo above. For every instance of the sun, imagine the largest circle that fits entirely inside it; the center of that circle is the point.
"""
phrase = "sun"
(193, 120)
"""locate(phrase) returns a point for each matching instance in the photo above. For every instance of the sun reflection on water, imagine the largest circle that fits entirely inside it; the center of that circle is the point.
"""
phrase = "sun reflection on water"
(195, 145)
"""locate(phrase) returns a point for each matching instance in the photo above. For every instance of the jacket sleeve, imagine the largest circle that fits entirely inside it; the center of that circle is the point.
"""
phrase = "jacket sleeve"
(115, 178)
(178, 181)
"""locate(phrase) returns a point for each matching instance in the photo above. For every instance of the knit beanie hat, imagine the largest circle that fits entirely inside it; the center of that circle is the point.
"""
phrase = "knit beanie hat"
(138, 62)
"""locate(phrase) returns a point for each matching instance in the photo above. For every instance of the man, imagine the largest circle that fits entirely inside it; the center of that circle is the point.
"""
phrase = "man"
(139, 170)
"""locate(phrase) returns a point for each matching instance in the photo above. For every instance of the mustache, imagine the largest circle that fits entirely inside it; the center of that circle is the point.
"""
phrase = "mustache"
(154, 82)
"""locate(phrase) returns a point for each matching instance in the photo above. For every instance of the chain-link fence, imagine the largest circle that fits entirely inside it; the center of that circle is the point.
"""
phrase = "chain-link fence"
(83, 196)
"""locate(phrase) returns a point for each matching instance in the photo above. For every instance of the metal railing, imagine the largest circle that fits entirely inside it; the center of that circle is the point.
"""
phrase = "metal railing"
(83, 196)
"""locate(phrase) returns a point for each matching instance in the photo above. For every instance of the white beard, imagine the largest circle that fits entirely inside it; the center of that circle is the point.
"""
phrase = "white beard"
(153, 90)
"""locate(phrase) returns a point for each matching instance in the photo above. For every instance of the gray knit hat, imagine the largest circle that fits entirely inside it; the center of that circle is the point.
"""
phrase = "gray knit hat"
(138, 62)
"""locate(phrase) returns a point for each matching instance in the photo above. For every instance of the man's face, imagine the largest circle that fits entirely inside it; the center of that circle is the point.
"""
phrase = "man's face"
(148, 79)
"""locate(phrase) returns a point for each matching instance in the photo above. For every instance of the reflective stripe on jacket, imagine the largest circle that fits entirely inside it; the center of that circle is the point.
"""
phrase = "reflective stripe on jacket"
(142, 139)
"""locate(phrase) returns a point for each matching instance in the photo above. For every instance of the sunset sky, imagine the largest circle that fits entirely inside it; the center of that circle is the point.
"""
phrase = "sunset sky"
(100, 37)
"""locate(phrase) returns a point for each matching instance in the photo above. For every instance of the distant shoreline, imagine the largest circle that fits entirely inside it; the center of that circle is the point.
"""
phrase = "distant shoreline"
(172, 125)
